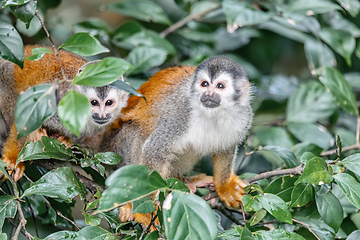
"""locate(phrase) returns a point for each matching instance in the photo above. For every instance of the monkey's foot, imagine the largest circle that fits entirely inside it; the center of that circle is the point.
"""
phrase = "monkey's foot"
(142, 218)
(200, 180)
(231, 191)
(17, 171)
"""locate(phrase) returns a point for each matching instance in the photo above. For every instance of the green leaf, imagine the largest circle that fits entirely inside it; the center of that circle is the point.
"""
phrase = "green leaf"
(274, 136)
(25, 12)
(318, 55)
(83, 44)
(330, 209)
(3, 236)
(151, 39)
(312, 133)
(65, 235)
(94, 26)
(350, 187)
(33, 107)
(46, 148)
(307, 156)
(276, 207)
(60, 183)
(129, 183)
(341, 41)
(73, 111)
(257, 217)
(143, 205)
(126, 87)
(102, 73)
(153, 236)
(125, 30)
(282, 187)
(38, 53)
(91, 219)
(352, 6)
(300, 148)
(284, 154)
(144, 58)
(110, 158)
(301, 195)
(8, 208)
(187, 216)
(11, 45)
(253, 188)
(315, 172)
(250, 203)
(335, 82)
(284, 29)
(141, 9)
(176, 184)
(14, 2)
(352, 163)
(310, 103)
(355, 235)
(239, 14)
(310, 7)
(277, 234)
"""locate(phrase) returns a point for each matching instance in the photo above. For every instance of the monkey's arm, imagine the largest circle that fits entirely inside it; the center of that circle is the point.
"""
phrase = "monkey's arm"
(228, 186)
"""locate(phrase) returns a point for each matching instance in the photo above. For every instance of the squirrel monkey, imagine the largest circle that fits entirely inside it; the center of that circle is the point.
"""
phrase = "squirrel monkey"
(106, 102)
(189, 113)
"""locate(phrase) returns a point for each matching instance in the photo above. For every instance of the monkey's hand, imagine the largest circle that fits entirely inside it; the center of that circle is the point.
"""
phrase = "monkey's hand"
(231, 191)
(197, 181)
(142, 218)
(18, 170)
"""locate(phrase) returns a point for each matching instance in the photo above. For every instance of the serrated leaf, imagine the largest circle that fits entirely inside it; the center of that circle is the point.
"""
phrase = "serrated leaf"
(110, 158)
(60, 183)
(187, 216)
(144, 58)
(341, 41)
(143, 205)
(102, 73)
(129, 183)
(11, 45)
(350, 187)
(318, 56)
(310, 103)
(126, 87)
(176, 184)
(276, 207)
(301, 195)
(352, 163)
(284, 154)
(330, 209)
(73, 111)
(335, 82)
(311, 7)
(25, 12)
(315, 172)
(33, 107)
(257, 217)
(141, 9)
(282, 187)
(311, 133)
(250, 203)
(352, 6)
(84, 44)
(277, 234)
(239, 14)
(38, 53)
(8, 208)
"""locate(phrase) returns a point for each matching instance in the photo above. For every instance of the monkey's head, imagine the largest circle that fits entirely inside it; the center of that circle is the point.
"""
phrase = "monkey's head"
(220, 83)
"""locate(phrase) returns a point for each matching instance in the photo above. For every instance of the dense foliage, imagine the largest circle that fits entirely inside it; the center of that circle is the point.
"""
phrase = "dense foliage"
(302, 57)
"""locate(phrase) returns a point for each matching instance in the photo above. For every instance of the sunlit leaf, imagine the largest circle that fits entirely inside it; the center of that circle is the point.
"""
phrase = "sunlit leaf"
(110, 158)
(38, 53)
(84, 44)
(187, 216)
(8, 208)
(144, 58)
(301, 195)
(33, 107)
(315, 172)
(276, 207)
(91, 220)
(11, 45)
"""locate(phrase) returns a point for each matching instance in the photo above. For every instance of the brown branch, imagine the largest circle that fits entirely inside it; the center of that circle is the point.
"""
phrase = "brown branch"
(306, 226)
(22, 224)
(297, 171)
(89, 184)
(71, 221)
(334, 151)
(185, 20)
(52, 45)
(225, 211)
(152, 223)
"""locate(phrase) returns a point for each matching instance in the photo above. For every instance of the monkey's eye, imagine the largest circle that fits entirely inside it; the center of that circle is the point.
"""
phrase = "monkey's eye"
(94, 103)
(204, 84)
(220, 86)
(109, 103)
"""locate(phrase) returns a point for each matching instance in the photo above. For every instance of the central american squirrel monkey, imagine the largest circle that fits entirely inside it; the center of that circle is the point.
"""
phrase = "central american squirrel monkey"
(106, 102)
(189, 113)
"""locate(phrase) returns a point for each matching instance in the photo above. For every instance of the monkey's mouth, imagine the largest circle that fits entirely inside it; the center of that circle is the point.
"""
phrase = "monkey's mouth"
(210, 104)
(101, 121)
(210, 101)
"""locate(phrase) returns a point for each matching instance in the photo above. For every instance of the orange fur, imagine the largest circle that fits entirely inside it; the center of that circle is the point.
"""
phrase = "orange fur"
(145, 219)
(45, 70)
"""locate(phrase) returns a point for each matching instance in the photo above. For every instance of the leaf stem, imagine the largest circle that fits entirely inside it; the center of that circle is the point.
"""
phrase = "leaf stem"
(306, 226)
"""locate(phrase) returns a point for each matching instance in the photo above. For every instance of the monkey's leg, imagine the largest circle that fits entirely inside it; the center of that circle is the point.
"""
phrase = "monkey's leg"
(228, 186)
(142, 218)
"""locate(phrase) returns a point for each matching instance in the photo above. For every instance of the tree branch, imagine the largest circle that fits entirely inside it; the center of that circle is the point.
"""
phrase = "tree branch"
(22, 224)
(185, 20)
(297, 171)
(334, 151)
(306, 226)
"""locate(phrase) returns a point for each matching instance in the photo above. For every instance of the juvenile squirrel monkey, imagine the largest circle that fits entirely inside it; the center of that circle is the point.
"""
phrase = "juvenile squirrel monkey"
(189, 113)
(106, 102)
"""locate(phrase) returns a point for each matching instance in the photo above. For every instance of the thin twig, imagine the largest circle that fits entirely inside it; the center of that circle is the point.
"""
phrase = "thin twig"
(306, 226)
(297, 170)
(243, 212)
(223, 210)
(22, 224)
(52, 45)
(71, 221)
(334, 151)
(185, 20)
(152, 223)
(32, 212)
